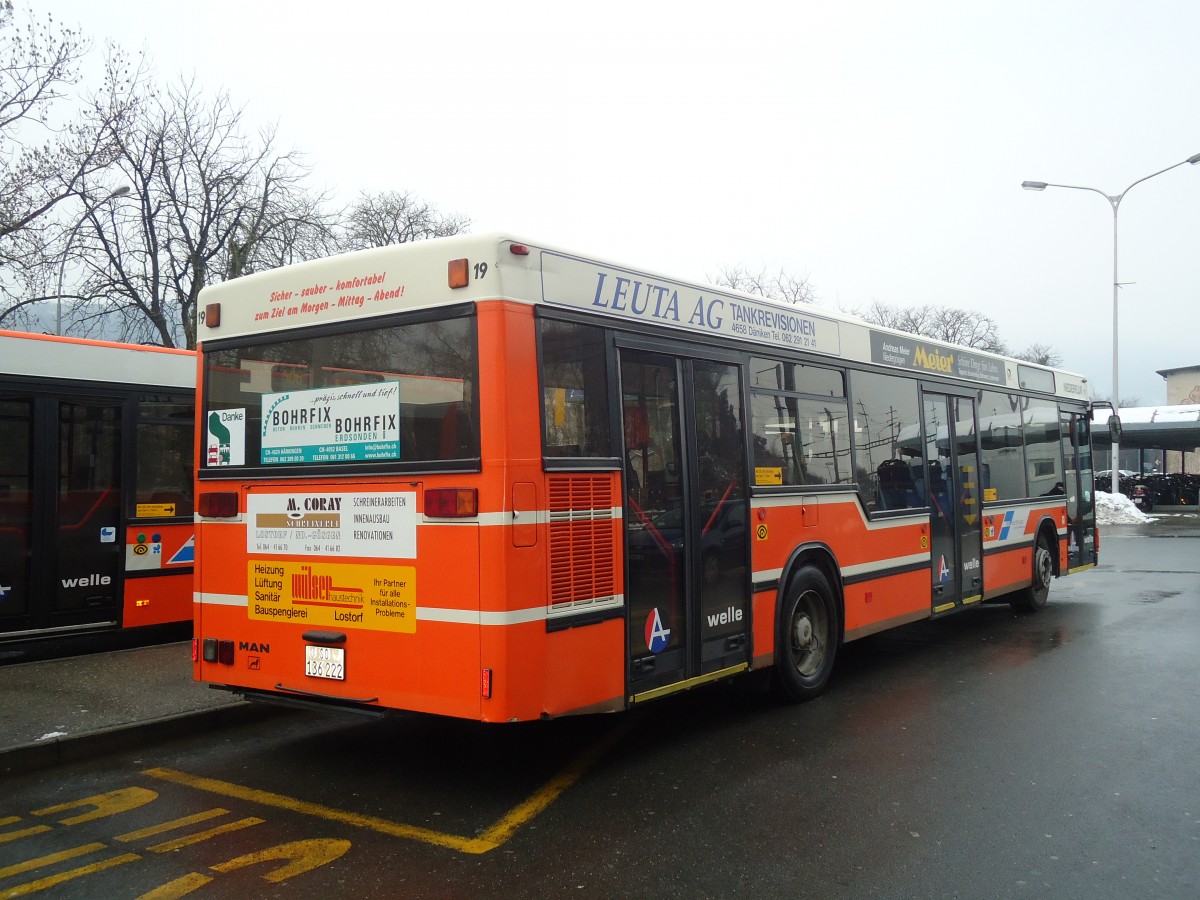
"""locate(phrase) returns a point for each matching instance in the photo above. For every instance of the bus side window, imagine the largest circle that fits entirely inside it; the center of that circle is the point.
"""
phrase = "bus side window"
(896, 486)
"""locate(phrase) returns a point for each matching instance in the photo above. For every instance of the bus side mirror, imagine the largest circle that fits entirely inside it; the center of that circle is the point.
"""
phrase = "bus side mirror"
(1114, 427)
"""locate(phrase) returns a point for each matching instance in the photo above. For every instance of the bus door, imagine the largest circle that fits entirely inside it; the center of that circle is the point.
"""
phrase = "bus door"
(952, 473)
(60, 513)
(1080, 489)
(685, 501)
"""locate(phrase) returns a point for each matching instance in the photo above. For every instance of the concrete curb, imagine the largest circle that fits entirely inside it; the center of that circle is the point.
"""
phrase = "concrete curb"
(118, 738)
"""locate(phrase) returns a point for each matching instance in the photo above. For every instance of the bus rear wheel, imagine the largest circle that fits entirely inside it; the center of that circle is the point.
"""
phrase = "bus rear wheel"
(807, 638)
(1034, 597)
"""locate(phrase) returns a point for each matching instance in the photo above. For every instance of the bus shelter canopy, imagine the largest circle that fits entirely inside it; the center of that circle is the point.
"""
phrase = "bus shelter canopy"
(1153, 427)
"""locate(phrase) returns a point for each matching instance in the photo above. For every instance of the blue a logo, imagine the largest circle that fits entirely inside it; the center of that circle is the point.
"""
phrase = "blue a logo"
(656, 635)
(943, 570)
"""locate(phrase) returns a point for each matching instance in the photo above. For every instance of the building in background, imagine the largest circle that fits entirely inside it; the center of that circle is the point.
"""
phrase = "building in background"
(1183, 389)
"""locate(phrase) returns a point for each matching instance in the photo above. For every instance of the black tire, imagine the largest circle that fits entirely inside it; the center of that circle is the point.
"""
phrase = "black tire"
(807, 637)
(1033, 598)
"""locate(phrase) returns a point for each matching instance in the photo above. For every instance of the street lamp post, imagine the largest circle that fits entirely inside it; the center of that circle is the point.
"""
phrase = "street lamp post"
(1114, 201)
(119, 192)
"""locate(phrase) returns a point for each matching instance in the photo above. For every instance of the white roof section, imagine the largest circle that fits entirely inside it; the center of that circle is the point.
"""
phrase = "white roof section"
(50, 356)
(1145, 415)
(413, 276)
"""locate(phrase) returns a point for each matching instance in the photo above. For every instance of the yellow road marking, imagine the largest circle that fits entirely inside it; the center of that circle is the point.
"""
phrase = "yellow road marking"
(180, 887)
(24, 832)
(492, 838)
(105, 805)
(154, 830)
(227, 789)
(188, 840)
(32, 887)
(522, 813)
(51, 859)
(300, 855)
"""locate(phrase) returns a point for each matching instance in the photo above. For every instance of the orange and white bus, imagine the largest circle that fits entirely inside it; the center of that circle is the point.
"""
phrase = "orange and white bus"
(96, 476)
(485, 478)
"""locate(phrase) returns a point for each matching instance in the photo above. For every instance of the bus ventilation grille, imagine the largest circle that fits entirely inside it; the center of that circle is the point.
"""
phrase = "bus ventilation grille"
(582, 543)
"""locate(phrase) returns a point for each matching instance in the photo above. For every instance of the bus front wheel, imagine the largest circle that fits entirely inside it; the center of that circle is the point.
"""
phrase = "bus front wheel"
(807, 638)
(1033, 597)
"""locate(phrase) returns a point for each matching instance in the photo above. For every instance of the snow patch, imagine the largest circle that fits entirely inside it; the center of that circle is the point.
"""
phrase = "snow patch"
(1117, 509)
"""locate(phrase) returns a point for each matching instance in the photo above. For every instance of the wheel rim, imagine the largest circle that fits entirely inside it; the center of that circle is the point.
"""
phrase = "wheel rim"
(1044, 567)
(809, 627)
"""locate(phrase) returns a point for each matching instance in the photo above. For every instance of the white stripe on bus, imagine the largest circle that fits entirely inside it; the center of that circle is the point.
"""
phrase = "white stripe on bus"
(445, 614)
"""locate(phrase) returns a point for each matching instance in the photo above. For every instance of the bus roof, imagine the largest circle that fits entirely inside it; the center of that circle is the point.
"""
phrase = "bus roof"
(77, 359)
(417, 275)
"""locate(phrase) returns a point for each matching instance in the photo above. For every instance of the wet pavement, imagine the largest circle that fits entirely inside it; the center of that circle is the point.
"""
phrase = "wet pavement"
(63, 709)
(55, 710)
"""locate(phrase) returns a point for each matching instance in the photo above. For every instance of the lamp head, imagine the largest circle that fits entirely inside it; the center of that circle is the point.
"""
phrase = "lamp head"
(1036, 185)
(1193, 159)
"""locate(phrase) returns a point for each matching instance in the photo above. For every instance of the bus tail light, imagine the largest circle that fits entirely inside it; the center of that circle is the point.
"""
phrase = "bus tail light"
(218, 651)
(218, 505)
(451, 503)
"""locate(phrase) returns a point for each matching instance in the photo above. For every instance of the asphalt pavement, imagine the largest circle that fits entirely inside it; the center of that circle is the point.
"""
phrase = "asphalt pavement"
(59, 710)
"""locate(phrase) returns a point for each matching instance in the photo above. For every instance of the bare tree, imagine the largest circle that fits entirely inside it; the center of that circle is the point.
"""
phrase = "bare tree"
(780, 286)
(395, 217)
(1126, 402)
(965, 327)
(1042, 354)
(211, 204)
(48, 150)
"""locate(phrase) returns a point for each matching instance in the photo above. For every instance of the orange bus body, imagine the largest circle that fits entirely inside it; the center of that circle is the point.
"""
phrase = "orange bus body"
(519, 608)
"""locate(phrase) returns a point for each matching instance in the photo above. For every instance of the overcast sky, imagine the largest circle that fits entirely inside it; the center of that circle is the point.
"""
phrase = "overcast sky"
(877, 148)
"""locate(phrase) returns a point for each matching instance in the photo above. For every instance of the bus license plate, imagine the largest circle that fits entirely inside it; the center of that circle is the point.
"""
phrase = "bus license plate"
(325, 662)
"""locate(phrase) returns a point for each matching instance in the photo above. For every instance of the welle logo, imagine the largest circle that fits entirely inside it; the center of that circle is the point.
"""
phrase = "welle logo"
(93, 580)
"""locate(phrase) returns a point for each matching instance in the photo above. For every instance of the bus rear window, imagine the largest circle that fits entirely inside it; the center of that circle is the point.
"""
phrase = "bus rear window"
(402, 393)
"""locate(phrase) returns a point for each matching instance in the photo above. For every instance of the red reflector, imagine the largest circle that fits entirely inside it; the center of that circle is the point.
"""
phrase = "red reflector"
(218, 505)
(195, 649)
(485, 684)
(518, 249)
(451, 503)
